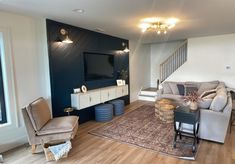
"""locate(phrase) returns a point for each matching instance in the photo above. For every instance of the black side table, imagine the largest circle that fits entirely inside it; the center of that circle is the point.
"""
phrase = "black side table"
(183, 114)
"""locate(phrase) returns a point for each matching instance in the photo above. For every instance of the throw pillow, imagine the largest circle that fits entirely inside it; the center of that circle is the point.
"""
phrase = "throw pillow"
(210, 96)
(189, 88)
(205, 86)
(205, 103)
(219, 102)
(206, 93)
(181, 89)
(173, 86)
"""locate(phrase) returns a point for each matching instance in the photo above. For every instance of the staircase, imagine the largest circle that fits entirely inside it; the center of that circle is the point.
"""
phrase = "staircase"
(173, 62)
(148, 94)
(167, 67)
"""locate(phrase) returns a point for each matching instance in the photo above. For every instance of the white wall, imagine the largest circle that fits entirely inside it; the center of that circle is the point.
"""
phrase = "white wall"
(159, 53)
(28, 50)
(207, 60)
(139, 68)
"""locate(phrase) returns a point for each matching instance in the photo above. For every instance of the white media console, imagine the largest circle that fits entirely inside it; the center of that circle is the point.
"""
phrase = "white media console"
(97, 96)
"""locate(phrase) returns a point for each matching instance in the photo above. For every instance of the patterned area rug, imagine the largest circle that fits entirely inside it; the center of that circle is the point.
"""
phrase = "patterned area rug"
(142, 128)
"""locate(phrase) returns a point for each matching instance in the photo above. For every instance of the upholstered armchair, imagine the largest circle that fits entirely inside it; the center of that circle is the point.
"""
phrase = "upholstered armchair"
(42, 128)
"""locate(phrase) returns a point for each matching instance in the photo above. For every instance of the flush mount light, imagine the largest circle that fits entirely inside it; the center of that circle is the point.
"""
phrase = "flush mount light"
(160, 25)
(79, 10)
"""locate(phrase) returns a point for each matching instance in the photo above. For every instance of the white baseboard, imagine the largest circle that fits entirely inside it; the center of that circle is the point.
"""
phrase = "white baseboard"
(13, 143)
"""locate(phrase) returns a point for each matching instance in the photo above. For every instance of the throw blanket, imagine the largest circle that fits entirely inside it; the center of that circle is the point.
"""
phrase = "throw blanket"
(59, 150)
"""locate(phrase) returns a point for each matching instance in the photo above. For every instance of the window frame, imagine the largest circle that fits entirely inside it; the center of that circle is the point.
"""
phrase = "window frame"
(2, 95)
(11, 103)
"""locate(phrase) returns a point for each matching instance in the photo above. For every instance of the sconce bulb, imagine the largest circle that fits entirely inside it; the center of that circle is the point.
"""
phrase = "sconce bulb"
(126, 50)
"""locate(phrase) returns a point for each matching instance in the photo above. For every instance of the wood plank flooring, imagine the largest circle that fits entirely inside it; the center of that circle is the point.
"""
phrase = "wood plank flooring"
(89, 149)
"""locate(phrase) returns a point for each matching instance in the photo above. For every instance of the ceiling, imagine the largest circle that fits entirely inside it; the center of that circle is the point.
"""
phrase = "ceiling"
(121, 17)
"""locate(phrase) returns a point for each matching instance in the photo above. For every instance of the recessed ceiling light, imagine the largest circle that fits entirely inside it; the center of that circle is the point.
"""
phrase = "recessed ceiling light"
(79, 10)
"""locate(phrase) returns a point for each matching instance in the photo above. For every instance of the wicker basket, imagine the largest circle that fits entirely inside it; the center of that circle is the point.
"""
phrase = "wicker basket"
(48, 153)
(164, 110)
(166, 113)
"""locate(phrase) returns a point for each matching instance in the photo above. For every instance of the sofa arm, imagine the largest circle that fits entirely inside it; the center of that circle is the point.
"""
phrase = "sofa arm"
(214, 125)
(228, 108)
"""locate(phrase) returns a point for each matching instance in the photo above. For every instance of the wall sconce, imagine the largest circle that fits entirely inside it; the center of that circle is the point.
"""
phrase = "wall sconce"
(126, 49)
(66, 39)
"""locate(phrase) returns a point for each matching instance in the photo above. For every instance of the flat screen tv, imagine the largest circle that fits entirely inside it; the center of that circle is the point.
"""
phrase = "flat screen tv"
(98, 66)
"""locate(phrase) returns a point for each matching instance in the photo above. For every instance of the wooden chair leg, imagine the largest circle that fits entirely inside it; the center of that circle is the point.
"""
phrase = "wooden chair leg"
(34, 149)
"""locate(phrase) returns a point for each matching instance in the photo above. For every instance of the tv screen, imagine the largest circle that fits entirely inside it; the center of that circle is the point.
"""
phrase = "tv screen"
(98, 66)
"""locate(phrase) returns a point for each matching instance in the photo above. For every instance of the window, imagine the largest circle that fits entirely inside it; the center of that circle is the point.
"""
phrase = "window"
(3, 116)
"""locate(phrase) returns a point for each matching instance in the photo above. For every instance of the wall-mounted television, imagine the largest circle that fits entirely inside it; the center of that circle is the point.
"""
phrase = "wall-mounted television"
(98, 66)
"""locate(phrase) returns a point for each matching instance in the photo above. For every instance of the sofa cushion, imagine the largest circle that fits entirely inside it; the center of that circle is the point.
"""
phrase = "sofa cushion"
(39, 113)
(189, 88)
(221, 85)
(219, 102)
(59, 125)
(166, 88)
(205, 86)
(181, 89)
(174, 88)
(205, 103)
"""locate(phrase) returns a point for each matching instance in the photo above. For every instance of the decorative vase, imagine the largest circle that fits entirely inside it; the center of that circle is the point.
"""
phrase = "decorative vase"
(193, 105)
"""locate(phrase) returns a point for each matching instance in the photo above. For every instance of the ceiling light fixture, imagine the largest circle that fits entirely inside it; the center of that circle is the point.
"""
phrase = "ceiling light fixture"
(79, 10)
(159, 25)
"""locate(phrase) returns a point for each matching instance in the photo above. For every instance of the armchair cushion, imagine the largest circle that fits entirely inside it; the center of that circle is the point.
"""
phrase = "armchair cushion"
(59, 125)
(39, 113)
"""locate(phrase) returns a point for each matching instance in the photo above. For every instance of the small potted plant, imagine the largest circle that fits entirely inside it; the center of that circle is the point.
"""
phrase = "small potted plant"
(123, 76)
(192, 98)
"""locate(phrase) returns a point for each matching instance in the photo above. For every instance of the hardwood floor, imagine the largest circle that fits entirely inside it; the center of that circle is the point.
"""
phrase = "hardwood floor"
(89, 149)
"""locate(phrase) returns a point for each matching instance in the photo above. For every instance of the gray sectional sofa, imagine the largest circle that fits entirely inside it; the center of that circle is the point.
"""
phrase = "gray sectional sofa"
(215, 109)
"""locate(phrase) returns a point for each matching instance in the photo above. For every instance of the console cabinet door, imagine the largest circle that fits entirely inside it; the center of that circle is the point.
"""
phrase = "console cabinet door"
(94, 98)
(84, 100)
(104, 95)
(111, 94)
(125, 90)
(119, 91)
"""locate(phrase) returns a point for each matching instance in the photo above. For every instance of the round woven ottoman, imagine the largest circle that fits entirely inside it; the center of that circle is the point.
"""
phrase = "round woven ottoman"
(118, 107)
(104, 112)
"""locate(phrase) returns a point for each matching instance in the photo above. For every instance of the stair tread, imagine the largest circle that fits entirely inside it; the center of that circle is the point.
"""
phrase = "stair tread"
(147, 95)
(151, 89)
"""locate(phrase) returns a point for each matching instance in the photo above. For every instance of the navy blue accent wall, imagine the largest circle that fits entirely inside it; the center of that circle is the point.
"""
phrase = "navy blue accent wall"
(67, 64)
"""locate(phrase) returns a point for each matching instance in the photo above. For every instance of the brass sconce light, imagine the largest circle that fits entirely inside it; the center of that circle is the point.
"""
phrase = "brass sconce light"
(66, 39)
